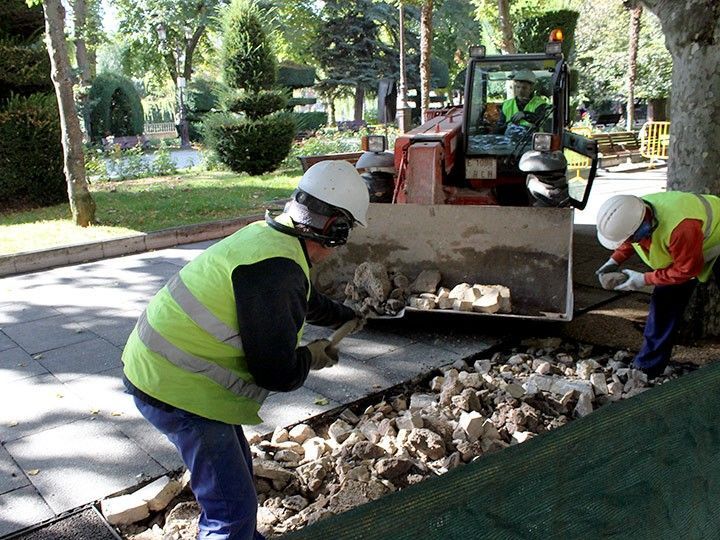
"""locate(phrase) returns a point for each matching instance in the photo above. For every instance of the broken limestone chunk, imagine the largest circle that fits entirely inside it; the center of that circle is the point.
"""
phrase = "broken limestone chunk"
(426, 282)
(373, 279)
(418, 302)
(159, 493)
(124, 509)
(458, 291)
(487, 303)
(610, 280)
(462, 305)
(445, 302)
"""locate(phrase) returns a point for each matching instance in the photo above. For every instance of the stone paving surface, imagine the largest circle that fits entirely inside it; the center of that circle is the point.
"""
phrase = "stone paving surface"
(71, 436)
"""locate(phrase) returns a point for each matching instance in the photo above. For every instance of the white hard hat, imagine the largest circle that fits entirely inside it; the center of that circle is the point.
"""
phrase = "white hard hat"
(524, 75)
(337, 183)
(618, 218)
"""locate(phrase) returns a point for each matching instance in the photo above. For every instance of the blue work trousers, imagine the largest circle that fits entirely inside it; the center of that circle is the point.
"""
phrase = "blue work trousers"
(219, 459)
(667, 307)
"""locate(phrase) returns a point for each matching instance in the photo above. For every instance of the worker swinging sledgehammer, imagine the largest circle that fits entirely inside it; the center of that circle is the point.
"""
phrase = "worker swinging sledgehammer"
(225, 332)
(677, 235)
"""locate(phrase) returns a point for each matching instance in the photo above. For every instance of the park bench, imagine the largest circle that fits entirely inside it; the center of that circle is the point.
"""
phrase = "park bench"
(309, 161)
(617, 147)
(351, 125)
(124, 143)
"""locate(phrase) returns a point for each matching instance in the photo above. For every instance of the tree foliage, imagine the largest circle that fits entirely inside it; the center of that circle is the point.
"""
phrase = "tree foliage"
(248, 59)
(601, 46)
(532, 33)
(454, 31)
(348, 47)
(185, 23)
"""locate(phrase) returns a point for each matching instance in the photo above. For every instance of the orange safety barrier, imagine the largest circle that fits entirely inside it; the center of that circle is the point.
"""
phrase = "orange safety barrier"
(655, 140)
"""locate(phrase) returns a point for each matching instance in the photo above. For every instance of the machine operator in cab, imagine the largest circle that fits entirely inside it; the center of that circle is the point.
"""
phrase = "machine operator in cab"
(525, 108)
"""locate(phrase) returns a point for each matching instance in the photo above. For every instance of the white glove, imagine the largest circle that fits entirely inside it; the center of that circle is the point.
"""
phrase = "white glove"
(610, 266)
(634, 282)
(322, 354)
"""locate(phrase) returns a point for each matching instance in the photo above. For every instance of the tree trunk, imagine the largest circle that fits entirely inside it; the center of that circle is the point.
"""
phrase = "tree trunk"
(657, 110)
(425, 54)
(82, 204)
(508, 41)
(331, 112)
(359, 103)
(81, 57)
(691, 28)
(635, 15)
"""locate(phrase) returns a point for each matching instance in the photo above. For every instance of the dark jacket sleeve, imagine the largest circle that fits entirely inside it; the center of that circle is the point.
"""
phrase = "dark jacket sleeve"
(271, 302)
(324, 311)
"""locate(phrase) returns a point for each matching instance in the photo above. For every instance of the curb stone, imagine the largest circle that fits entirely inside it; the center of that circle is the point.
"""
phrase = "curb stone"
(44, 259)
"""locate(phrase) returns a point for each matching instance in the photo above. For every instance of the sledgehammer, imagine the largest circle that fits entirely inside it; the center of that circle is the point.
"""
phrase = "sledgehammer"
(347, 328)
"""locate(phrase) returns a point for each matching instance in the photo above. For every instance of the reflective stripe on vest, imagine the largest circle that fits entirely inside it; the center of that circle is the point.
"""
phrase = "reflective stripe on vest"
(154, 341)
(710, 216)
(202, 315)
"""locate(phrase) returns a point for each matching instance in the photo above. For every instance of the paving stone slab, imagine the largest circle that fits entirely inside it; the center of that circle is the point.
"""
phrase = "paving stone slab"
(5, 342)
(11, 476)
(149, 439)
(80, 359)
(20, 312)
(81, 462)
(115, 329)
(286, 408)
(46, 334)
(405, 363)
(36, 404)
(16, 364)
(371, 343)
(22, 508)
(103, 392)
(351, 379)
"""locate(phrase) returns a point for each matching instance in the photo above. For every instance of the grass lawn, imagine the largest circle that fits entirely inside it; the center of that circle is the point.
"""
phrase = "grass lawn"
(145, 205)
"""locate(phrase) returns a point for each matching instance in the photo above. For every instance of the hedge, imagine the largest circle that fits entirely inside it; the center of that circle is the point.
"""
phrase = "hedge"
(532, 33)
(24, 69)
(309, 121)
(31, 161)
(115, 107)
(295, 75)
(19, 21)
(251, 146)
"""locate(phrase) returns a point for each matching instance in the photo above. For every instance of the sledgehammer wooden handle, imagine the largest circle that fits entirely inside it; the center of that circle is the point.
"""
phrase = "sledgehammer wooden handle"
(341, 332)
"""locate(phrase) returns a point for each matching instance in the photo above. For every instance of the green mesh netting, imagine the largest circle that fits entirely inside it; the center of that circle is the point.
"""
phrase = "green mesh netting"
(647, 467)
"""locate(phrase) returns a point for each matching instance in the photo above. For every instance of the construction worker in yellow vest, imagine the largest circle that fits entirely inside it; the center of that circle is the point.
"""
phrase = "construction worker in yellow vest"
(525, 108)
(225, 332)
(678, 236)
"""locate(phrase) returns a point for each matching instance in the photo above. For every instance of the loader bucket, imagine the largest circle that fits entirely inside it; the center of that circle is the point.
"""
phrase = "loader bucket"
(525, 249)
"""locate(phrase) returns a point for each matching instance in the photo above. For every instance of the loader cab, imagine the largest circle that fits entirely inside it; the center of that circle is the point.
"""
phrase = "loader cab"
(497, 143)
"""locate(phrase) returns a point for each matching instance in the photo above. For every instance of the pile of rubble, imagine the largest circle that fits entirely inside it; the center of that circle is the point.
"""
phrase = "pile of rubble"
(375, 289)
(465, 411)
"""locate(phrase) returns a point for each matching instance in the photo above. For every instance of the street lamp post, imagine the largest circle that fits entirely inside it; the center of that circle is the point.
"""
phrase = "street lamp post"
(403, 109)
(181, 113)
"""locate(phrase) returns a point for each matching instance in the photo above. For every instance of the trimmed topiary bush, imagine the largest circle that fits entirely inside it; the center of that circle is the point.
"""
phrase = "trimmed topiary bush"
(248, 60)
(31, 161)
(115, 107)
(262, 103)
(251, 146)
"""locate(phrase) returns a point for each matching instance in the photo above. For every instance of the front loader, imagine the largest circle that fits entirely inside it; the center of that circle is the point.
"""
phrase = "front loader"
(483, 200)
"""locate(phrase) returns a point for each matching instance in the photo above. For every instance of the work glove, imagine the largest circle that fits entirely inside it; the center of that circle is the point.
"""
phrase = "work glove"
(520, 115)
(634, 282)
(322, 354)
(610, 266)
